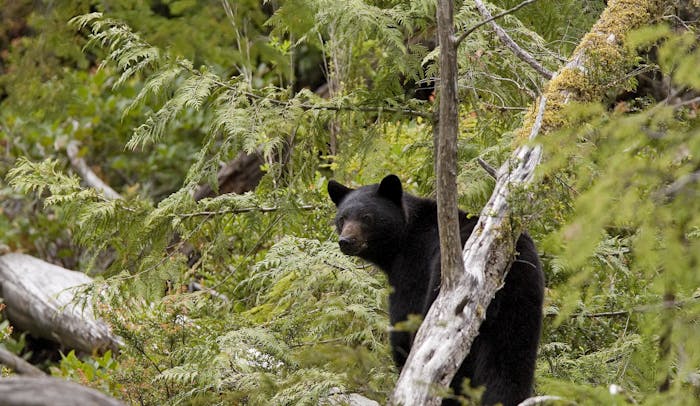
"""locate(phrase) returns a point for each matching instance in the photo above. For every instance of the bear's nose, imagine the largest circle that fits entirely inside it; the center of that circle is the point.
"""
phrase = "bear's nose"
(347, 245)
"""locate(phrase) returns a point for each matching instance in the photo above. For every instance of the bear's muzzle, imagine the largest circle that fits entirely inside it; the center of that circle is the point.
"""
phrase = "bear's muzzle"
(350, 245)
(351, 240)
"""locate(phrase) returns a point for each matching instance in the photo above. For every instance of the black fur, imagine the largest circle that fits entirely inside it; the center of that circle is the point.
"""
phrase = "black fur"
(398, 232)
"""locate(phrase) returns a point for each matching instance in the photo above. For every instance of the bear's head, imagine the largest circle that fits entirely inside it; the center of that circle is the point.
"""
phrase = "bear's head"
(370, 220)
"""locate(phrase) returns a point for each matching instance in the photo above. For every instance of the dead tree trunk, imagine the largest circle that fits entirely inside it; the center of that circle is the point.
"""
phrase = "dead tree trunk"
(41, 299)
(446, 334)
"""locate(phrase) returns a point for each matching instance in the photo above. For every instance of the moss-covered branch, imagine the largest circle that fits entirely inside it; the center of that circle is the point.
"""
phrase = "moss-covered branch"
(598, 61)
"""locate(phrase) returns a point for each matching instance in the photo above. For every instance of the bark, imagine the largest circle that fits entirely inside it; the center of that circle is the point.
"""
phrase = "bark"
(41, 299)
(26, 391)
(448, 223)
(446, 334)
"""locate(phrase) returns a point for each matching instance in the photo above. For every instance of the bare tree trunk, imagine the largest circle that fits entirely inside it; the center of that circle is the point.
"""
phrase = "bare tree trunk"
(446, 334)
(448, 223)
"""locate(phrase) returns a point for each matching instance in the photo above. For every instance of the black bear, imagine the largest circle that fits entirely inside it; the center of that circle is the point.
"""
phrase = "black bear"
(399, 233)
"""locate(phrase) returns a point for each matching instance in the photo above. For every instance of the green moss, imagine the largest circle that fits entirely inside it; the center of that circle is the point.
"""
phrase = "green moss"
(604, 62)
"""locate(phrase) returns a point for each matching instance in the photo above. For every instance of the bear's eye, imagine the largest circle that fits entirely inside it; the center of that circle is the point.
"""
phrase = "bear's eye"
(367, 218)
(340, 221)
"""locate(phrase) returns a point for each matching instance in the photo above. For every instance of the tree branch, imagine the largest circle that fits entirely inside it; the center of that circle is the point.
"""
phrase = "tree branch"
(510, 44)
(538, 400)
(664, 305)
(316, 107)
(87, 174)
(261, 209)
(488, 168)
(679, 184)
(466, 33)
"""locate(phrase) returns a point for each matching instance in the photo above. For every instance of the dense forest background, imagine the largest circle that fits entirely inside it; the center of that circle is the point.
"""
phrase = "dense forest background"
(218, 124)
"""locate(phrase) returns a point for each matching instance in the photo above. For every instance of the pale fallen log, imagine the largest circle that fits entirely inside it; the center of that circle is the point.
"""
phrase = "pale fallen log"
(26, 391)
(42, 299)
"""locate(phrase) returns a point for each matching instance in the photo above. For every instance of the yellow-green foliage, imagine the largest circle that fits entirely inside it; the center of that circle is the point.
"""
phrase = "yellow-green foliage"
(625, 260)
(317, 322)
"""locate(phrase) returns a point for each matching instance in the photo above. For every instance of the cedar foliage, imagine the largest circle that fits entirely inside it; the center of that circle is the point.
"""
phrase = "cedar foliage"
(616, 217)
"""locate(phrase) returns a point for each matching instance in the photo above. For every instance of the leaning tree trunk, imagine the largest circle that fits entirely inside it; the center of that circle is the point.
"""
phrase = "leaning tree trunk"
(453, 321)
(41, 298)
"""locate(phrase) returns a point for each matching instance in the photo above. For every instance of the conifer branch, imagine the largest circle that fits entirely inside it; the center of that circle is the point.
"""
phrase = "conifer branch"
(316, 107)
(238, 210)
(332, 107)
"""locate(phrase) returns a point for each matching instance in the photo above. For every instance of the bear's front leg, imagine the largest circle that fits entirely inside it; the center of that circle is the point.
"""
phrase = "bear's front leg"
(400, 347)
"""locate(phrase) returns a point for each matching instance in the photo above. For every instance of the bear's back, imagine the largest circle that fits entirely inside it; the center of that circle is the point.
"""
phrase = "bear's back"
(503, 355)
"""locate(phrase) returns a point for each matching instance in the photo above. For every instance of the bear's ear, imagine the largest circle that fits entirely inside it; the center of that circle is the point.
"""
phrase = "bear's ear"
(337, 191)
(390, 188)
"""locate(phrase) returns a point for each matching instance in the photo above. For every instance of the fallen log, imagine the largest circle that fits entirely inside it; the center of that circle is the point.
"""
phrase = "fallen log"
(31, 391)
(41, 298)
(18, 364)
